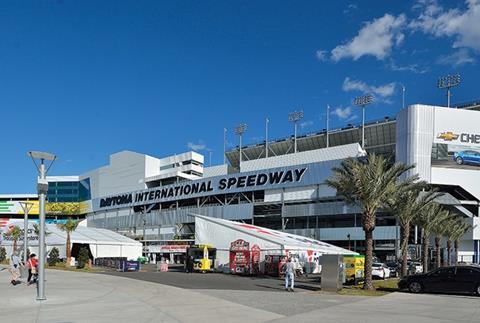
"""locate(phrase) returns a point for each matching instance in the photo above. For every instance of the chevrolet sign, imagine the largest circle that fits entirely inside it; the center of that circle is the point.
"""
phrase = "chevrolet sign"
(448, 136)
(468, 138)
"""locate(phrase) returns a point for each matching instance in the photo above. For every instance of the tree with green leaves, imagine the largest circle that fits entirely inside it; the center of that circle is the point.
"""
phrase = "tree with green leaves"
(83, 257)
(405, 205)
(53, 257)
(36, 230)
(440, 229)
(3, 254)
(69, 226)
(428, 218)
(369, 183)
(14, 233)
(458, 229)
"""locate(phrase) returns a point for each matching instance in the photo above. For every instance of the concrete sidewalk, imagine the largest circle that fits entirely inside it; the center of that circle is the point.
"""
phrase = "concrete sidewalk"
(82, 297)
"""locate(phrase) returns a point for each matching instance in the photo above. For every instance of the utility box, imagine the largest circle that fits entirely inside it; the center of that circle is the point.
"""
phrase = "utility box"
(332, 272)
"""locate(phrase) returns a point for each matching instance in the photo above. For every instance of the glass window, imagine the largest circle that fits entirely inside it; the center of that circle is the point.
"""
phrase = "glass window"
(64, 191)
(467, 271)
(66, 184)
(445, 271)
(84, 190)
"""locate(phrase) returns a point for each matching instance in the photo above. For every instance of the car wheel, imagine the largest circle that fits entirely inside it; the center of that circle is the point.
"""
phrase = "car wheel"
(415, 287)
(478, 290)
(459, 160)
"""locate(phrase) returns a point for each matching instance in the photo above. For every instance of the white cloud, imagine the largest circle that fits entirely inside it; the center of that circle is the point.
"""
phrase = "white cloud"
(306, 124)
(463, 25)
(197, 146)
(321, 55)
(460, 57)
(350, 8)
(343, 113)
(382, 91)
(376, 38)
(414, 68)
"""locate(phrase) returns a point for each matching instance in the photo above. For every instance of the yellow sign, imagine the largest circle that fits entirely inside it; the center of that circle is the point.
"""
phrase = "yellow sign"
(448, 136)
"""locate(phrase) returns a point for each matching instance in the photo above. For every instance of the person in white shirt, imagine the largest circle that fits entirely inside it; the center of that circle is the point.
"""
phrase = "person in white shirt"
(14, 269)
(289, 275)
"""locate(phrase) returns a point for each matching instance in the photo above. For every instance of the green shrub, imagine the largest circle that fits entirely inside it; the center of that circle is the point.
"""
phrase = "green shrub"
(3, 254)
(83, 257)
(53, 257)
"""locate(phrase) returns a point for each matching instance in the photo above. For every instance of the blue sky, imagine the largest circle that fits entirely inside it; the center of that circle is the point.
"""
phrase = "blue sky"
(159, 77)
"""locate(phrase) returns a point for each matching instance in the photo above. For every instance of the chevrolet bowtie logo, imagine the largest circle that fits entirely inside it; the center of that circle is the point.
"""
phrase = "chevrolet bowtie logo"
(447, 136)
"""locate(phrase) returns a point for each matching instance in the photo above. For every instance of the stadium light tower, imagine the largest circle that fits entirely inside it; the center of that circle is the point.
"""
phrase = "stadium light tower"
(294, 117)
(26, 206)
(240, 130)
(363, 101)
(447, 82)
(42, 188)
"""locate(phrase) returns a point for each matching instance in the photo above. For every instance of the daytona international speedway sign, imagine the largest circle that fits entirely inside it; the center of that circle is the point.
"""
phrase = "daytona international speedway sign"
(210, 186)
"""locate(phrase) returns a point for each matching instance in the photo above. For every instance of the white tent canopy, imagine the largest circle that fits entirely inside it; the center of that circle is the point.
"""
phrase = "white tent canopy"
(221, 233)
(102, 242)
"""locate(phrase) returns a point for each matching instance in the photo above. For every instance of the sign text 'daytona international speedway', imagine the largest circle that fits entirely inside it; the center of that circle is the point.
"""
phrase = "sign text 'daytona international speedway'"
(214, 185)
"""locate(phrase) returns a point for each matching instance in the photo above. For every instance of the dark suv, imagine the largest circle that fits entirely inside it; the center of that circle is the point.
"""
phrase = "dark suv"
(454, 279)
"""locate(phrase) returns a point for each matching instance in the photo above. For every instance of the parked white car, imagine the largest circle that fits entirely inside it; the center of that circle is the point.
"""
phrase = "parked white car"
(380, 270)
(415, 267)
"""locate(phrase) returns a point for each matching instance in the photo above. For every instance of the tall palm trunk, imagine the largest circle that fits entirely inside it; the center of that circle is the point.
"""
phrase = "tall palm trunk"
(455, 245)
(368, 284)
(449, 249)
(425, 252)
(14, 245)
(68, 251)
(437, 252)
(405, 233)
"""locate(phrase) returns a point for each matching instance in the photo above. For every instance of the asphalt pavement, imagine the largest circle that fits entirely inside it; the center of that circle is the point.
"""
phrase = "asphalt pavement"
(217, 281)
(92, 297)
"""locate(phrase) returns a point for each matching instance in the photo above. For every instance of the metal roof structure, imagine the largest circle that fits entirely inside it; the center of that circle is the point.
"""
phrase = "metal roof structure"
(379, 139)
(470, 105)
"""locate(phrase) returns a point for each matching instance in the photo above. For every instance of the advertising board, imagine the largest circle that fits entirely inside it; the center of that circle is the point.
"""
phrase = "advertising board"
(456, 141)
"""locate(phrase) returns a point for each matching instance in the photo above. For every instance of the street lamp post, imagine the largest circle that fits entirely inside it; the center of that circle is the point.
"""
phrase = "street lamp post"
(363, 101)
(267, 121)
(224, 146)
(328, 124)
(447, 82)
(42, 188)
(26, 206)
(294, 117)
(240, 130)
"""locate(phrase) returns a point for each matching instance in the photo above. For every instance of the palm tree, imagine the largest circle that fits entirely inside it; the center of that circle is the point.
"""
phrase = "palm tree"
(405, 205)
(36, 230)
(428, 218)
(14, 233)
(458, 230)
(440, 229)
(368, 183)
(69, 226)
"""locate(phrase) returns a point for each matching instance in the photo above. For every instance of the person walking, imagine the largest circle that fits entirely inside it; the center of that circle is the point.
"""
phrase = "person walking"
(32, 269)
(14, 269)
(289, 275)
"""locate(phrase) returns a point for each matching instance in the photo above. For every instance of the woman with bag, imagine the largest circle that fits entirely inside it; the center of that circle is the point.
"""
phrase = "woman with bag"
(32, 269)
(15, 264)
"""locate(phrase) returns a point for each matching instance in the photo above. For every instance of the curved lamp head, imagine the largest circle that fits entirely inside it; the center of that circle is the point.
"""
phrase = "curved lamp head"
(41, 155)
